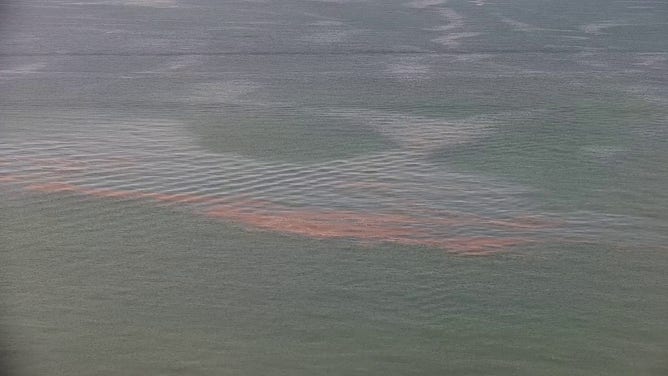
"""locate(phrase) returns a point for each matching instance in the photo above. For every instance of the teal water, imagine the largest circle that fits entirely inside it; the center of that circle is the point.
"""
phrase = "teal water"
(334, 187)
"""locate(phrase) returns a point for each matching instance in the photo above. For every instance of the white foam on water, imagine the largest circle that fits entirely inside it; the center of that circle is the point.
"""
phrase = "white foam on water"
(575, 37)
(132, 3)
(422, 4)
(604, 152)
(174, 65)
(598, 28)
(652, 60)
(453, 40)
(22, 70)
(230, 92)
(519, 25)
(647, 93)
(327, 23)
(420, 133)
(329, 36)
(455, 20)
(592, 59)
(147, 3)
(340, 1)
(454, 28)
(408, 68)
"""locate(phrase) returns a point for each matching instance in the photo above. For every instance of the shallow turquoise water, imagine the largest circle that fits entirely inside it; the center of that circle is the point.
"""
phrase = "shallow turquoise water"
(251, 188)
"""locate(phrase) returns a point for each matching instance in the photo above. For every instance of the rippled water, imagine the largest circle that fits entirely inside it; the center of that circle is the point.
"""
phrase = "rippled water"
(297, 187)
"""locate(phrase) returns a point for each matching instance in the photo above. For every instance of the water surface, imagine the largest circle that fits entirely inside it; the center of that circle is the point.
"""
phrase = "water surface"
(298, 187)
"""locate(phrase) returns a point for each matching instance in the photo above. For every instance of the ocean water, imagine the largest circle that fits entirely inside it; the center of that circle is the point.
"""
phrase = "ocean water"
(345, 187)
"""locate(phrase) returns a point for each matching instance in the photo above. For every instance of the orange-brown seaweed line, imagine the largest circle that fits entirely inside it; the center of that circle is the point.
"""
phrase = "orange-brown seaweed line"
(326, 224)
(367, 227)
(8, 179)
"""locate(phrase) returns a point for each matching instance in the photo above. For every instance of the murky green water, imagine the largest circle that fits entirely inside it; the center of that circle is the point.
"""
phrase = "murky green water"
(300, 187)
